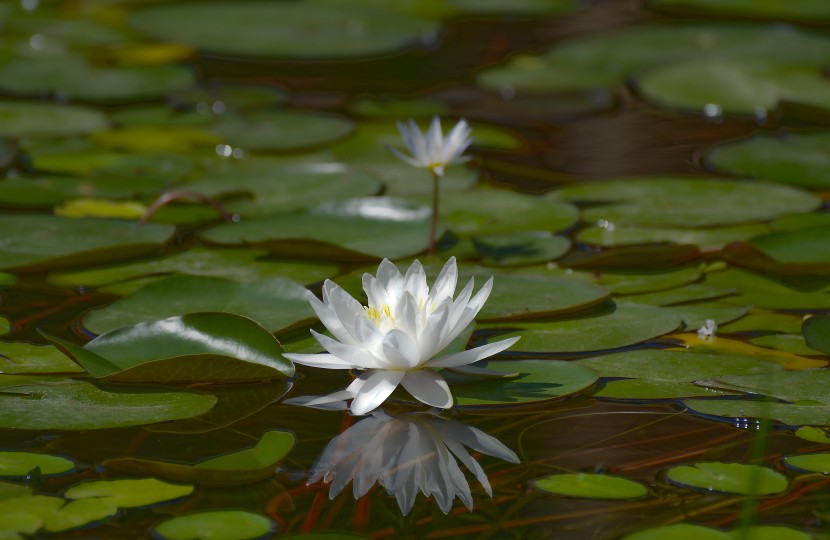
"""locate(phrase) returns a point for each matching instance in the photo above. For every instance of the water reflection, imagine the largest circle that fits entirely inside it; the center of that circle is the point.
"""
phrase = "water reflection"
(406, 453)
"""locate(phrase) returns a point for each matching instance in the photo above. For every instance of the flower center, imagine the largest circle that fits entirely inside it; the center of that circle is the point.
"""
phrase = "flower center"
(375, 314)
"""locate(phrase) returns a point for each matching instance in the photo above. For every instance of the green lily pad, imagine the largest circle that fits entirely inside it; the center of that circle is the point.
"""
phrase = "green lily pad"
(803, 10)
(591, 486)
(687, 293)
(817, 333)
(501, 211)
(5, 327)
(53, 513)
(688, 202)
(538, 380)
(215, 525)
(393, 108)
(613, 235)
(769, 322)
(695, 315)
(512, 249)
(795, 386)
(76, 514)
(275, 303)
(130, 493)
(35, 242)
(640, 283)
(514, 7)
(785, 342)
(303, 30)
(20, 464)
(10, 490)
(768, 532)
(663, 374)
(283, 130)
(72, 76)
(735, 410)
(800, 159)
(161, 139)
(812, 434)
(353, 229)
(40, 406)
(16, 524)
(236, 264)
(801, 221)
(26, 358)
(680, 531)
(805, 247)
(763, 292)
(22, 119)
(237, 468)
(110, 174)
(198, 347)
(729, 478)
(819, 463)
(607, 328)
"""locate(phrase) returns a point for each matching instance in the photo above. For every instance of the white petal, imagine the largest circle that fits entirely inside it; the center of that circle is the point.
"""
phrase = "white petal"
(375, 291)
(417, 143)
(325, 361)
(330, 319)
(332, 402)
(342, 305)
(377, 386)
(471, 355)
(390, 277)
(477, 301)
(434, 139)
(429, 341)
(401, 350)
(356, 356)
(415, 281)
(428, 387)
(445, 282)
(404, 157)
(471, 464)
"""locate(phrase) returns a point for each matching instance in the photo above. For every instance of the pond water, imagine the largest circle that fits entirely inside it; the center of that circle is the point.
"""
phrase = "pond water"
(640, 171)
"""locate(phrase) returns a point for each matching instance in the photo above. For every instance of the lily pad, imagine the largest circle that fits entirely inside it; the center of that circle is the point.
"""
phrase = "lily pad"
(735, 410)
(591, 486)
(695, 315)
(72, 76)
(785, 342)
(34, 242)
(353, 229)
(664, 374)
(236, 264)
(53, 513)
(283, 130)
(275, 303)
(392, 108)
(680, 531)
(26, 358)
(161, 139)
(688, 293)
(688, 202)
(198, 347)
(515, 7)
(613, 235)
(130, 493)
(215, 525)
(538, 380)
(768, 532)
(807, 385)
(812, 434)
(607, 328)
(10, 490)
(283, 30)
(22, 119)
(42, 406)
(800, 159)
(805, 247)
(801, 10)
(817, 333)
(819, 463)
(238, 468)
(512, 249)
(770, 322)
(764, 292)
(729, 347)
(20, 464)
(640, 283)
(729, 478)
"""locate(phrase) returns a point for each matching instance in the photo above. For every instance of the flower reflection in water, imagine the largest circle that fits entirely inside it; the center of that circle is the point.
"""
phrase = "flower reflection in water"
(406, 453)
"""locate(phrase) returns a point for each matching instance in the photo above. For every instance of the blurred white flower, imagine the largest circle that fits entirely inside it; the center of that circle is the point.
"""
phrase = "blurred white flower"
(708, 330)
(431, 151)
(406, 453)
(396, 339)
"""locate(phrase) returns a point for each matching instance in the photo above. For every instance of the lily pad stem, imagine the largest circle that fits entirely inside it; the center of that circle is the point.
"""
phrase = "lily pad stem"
(434, 223)
(182, 194)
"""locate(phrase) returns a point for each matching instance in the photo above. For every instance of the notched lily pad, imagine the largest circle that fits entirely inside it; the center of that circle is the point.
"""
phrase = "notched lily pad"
(25, 358)
(680, 531)
(818, 463)
(197, 347)
(216, 525)
(591, 486)
(729, 478)
(283, 130)
(21, 464)
(130, 493)
(816, 331)
(22, 119)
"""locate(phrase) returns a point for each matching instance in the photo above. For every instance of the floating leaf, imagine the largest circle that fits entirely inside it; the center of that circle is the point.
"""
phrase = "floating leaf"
(640, 283)
(591, 486)
(611, 236)
(20, 464)
(130, 493)
(770, 322)
(101, 208)
(306, 30)
(804, 10)
(688, 293)
(30, 405)
(242, 467)
(793, 386)
(681, 531)
(512, 249)
(198, 347)
(515, 7)
(538, 380)
(737, 410)
(729, 478)
(688, 202)
(695, 315)
(354, 229)
(77, 514)
(9, 490)
(760, 291)
(392, 108)
(283, 130)
(803, 248)
(22, 119)
(216, 525)
(812, 434)
(162, 139)
(784, 342)
(817, 333)
(275, 303)
(620, 326)
(52, 513)
(34, 242)
(819, 463)
(768, 532)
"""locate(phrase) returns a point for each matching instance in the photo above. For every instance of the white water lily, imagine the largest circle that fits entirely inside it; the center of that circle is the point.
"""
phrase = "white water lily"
(407, 453)
(708, 330)
(431, 150)
(398, 337)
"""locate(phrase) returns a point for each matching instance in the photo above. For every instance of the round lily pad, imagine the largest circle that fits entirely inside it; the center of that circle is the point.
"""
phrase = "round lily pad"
(805, 247)
(72, 76)
(216, 525)
(20, 464)
(283, 130)
(735, 410)
(352, 229)
(819, 463)
(620, 326)
(291, 30)
(817, 333)
(769, 532)
(802, 10)
(785, 342)
(770, 322)
(34, 242)
(640, 283)
(688, 202)
(537, 380)
(275, 303)
(801, 159)
(40, 406)
(812, 434)
(621, 235)
(693, 292)
(729, 478)
(76, 514)
(696, 314)
(27, 358)
(130, 493)
(681, 531)
(512, 249)
(764, 292)
(22, 119)
(515, 7)
(51, 513)
(591, 486)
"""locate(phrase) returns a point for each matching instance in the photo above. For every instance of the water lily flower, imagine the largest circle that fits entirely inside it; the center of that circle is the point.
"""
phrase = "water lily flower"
(406, 453)
(398, 337)
(431, 151)
(708, 330)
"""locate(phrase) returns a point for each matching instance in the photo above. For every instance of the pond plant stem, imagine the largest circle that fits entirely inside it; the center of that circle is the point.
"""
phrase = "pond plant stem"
(434, 223)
